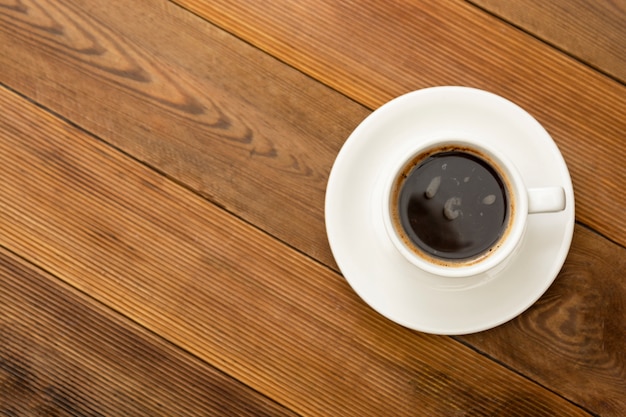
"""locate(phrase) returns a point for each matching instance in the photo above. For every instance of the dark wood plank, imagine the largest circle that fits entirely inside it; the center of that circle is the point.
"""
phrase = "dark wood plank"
(63, 354)
(375, 50)
(225, 291)
(591, 30)
(575, 335)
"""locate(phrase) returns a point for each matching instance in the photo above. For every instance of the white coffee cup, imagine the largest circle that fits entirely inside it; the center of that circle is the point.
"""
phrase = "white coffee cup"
(519, 202)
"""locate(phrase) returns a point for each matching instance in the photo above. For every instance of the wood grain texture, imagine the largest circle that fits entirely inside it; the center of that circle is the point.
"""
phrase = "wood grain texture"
(591, 30)
(373, 51)
(194, 102)
(62, 354)
(225, 291)
(578, 328)
(259, 130)
(215, 114)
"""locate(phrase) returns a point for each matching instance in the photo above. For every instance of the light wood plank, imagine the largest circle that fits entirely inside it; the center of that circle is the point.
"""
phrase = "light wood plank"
(375, 50)
(62, 354)
(225, 291)
(594, 31)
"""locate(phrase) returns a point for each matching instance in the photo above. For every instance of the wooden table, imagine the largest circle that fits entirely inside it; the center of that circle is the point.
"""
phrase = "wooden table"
(163, 166)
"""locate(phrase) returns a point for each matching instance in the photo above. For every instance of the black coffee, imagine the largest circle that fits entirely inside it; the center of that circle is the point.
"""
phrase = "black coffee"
(453, 205)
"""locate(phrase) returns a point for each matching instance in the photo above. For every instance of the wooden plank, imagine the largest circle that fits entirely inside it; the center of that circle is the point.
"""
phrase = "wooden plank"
(374, 50)
(591, 30)
(63, 354)
(225, 291)
(575, 335)
(200, 105)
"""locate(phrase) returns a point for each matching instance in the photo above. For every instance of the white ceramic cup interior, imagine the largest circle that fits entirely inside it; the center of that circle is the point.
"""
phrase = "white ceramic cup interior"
(522, 201)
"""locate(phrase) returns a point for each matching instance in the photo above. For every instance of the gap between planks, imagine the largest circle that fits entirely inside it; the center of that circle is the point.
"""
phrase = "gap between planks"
(591, 32)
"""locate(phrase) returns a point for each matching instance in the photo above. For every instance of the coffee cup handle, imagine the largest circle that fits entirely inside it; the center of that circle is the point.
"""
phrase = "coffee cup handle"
(546, 200)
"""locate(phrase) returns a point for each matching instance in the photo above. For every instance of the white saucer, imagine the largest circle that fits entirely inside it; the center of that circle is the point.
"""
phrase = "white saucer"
(385, 279)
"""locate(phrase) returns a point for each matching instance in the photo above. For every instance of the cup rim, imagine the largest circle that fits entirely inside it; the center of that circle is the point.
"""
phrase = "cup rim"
(505, 246)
